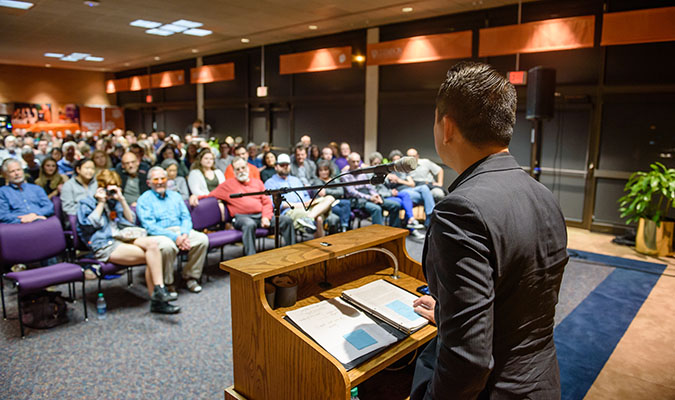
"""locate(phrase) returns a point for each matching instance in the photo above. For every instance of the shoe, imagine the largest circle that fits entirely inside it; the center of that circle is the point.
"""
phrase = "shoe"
(193, 286)
(414, 224)
(163, 307)
(308, 224)
(18, 267)
(417, 235)
(162, 294)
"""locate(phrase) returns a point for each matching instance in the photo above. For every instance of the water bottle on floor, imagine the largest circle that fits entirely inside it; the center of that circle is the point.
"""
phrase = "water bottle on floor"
(355, 393)
(101, 306)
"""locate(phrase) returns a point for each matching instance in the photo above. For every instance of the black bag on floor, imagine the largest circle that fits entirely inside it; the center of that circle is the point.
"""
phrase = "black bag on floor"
(44, 310)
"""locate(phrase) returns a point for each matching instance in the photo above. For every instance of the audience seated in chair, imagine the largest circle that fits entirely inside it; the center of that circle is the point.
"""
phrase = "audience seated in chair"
(303, 168)
(163, 214)
(420, 195)
(204, 177)
(107, 211)
(134, 182)
(310, 220)
(81, 185)
(428, 173)
(250, 212)
(20, 201)
(50, 179)
(338, 221)
(365, 197)
(253, 171)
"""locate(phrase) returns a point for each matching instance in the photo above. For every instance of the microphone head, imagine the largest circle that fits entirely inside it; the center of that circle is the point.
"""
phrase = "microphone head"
(405, 164)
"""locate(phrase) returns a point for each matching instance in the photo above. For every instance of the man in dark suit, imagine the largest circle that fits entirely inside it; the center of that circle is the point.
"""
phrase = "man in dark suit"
(494, 255)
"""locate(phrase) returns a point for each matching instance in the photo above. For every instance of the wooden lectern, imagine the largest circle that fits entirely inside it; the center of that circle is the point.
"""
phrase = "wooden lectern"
(273, 359)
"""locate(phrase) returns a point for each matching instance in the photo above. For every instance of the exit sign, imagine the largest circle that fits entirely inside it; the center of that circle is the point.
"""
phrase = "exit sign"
(517, 77)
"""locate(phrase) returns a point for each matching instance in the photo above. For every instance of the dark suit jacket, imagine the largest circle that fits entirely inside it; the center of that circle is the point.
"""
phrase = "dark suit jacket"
(494, 257)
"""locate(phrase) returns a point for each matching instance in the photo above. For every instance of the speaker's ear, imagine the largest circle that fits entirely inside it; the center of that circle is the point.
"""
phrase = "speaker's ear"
(540, 93)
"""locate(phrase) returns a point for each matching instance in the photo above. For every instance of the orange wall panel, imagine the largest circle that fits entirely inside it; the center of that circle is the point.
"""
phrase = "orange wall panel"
(139, 82)
(212, 73)
(421, 49)
(533, 37)
(640, 26)
(167, 79)
(316, 60)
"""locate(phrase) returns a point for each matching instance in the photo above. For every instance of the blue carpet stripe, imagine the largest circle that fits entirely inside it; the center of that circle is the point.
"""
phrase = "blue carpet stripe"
(587, 337)
(617, 261)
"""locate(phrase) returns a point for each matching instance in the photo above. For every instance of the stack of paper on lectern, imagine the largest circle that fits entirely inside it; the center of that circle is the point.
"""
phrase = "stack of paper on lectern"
(389, 303)
(341, 329)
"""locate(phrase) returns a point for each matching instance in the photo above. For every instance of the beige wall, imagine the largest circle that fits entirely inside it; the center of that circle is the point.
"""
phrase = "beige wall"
(51, 85)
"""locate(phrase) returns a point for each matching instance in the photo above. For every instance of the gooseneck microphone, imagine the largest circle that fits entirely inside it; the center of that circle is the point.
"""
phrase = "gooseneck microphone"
(403, 164)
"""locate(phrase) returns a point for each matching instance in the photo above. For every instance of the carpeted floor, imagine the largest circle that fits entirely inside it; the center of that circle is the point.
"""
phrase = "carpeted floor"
(135, 354)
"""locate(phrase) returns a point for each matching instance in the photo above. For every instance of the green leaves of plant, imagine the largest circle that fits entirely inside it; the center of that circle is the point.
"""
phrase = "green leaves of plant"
(649, 194)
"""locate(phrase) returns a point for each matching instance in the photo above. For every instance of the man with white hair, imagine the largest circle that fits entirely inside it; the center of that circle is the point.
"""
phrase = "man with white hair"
(66, 163)
(250, 212)
(163, 214)
(21, 202)
(10, 149)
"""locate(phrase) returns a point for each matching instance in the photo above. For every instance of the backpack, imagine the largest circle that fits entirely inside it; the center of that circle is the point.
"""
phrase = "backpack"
(43, 310)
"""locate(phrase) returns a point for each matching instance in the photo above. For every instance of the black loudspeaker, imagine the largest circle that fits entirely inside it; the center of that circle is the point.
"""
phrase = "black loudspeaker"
(540, 93)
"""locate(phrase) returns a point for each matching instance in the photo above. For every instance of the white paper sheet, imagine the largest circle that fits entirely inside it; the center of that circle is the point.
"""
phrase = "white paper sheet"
(342, 330)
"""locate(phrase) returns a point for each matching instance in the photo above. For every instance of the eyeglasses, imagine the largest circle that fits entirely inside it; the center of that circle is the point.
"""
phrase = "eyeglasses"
(158, 180)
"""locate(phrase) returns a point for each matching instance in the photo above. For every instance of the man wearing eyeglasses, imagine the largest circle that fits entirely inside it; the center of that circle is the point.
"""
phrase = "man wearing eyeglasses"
(164, 214)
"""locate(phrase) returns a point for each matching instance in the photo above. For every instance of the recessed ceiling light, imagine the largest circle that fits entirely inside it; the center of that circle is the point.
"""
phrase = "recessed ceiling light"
(407, 9)
(22, 5)
(245, 40)
(195, 50)
(198, 32)
(48, 65)
(126, 64)
(159, 32)
(157, 58)
(187, 24)
(141, 23)
(92, 3)
(359, 58)
(313, 27)
(94, 58)
(79, 56)
(173, 28)
(55, 55)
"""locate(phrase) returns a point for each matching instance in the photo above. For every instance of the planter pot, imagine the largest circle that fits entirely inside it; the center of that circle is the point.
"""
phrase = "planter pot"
(655, 240)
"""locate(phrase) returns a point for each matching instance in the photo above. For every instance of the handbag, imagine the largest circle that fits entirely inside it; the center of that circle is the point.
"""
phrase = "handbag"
(131, 233)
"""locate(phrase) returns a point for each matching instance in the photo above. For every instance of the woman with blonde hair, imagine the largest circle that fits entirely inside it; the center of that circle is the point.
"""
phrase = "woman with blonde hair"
(204, 176)
(50, 179)
(101, 161)
(106, 212)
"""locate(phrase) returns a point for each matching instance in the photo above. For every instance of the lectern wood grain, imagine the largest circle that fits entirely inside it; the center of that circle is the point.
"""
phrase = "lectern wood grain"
(274, 360)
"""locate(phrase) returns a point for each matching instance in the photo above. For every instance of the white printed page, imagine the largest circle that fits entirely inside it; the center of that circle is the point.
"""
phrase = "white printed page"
(342, 330)
(389, 301)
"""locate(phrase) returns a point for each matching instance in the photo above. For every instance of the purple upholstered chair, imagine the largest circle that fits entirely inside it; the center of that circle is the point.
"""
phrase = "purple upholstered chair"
(105, 268)
(207, 214)
(32, 242)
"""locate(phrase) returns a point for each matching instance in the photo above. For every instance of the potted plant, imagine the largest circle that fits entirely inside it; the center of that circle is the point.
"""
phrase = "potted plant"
(649, 197)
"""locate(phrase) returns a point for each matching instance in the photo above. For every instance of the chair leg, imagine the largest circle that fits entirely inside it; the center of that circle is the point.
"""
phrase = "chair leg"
(74, 291)
(130, 277)
(84, 300)
(70, 290)
(18, 300)
(99, 283)
(2, 290)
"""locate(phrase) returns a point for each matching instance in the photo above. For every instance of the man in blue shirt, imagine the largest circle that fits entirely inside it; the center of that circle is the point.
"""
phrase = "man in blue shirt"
(311, 220)
(66, 163)
(21, 202)
(164, 215)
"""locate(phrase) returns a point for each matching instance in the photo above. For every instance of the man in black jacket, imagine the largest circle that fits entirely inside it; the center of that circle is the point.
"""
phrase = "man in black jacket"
(494, 255)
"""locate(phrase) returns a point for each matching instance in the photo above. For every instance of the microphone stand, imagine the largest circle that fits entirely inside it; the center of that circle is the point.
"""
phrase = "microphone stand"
(278, 198)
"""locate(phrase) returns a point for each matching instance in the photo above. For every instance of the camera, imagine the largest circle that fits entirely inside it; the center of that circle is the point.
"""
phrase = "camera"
(111, 192)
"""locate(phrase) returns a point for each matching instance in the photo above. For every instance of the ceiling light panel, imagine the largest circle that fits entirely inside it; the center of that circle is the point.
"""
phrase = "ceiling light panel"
(172, 28)
(94, 59)
(79, 56)
(187, 24)
(198, 32)
(141, 23)
(159, 32)
(54, 55)
(22, 5)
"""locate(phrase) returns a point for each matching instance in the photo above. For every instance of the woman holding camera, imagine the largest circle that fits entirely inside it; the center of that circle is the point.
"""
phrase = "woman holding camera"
(101, 217)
